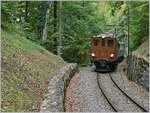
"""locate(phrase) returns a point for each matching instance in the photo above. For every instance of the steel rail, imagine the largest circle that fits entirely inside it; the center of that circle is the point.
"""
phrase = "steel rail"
(104, 94)
(142, 108)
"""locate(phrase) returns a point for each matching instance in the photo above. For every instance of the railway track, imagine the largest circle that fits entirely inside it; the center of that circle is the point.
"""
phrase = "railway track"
(108, 97)
(100, 87)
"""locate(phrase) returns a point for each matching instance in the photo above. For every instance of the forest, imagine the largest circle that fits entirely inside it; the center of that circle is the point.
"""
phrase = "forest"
(65, 28)
(39, 38)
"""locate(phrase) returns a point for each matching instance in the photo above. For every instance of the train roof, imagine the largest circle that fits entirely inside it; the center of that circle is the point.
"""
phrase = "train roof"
(121, 43)
(104, 35)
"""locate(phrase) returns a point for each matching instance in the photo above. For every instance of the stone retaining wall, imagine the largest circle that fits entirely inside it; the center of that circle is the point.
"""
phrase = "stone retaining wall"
(138, 71)
(54, 99)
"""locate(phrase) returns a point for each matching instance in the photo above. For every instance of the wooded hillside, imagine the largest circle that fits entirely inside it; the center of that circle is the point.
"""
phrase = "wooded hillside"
(66, 28)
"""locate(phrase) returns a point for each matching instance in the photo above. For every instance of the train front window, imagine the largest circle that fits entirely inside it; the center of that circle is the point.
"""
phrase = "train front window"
(95, 42)
(103, 42)
(110, 43)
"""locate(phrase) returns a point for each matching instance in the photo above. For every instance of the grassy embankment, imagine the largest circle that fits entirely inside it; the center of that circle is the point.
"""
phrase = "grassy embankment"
(26, 70)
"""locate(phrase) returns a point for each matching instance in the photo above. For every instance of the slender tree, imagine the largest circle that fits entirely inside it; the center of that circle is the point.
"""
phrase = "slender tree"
(26, 10)
(55, 15)
(45, 29)
(59, 51)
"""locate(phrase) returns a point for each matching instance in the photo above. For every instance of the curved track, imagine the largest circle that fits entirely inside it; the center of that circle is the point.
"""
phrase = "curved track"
(127, 94)
(115, 109)
(105, 95)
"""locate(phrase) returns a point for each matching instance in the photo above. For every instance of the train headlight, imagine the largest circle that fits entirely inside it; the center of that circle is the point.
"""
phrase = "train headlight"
(103, 36)
(111, 55)
(93, 54)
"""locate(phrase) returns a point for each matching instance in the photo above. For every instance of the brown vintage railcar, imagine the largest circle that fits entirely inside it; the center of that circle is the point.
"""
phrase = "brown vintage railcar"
(104, 52)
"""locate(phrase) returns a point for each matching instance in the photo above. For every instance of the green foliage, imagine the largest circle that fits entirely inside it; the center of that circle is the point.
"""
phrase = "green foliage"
(80, 21)
(41, 12)
(7, 11)
(51, 44)
(138, 21)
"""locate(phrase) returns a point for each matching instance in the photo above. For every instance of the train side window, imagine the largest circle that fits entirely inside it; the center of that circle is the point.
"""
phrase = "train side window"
(110, 43)
(95, 42)
(118, 45)
(103, 42)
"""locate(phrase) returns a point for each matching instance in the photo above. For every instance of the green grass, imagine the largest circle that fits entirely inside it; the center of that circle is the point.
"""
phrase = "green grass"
(26, 70)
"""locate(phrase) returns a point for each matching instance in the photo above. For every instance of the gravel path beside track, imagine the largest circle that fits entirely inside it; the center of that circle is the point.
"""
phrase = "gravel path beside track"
(88, 92)
(71, 100)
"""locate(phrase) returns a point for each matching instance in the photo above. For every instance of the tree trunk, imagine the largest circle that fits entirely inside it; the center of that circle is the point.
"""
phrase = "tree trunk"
(59, 48)
(45, 32)
(26, 10)
(55, 16)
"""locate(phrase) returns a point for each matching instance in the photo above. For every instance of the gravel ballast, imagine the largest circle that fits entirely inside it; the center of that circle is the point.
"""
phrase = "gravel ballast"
(134, 90)
(115, 96)
(88, 95)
